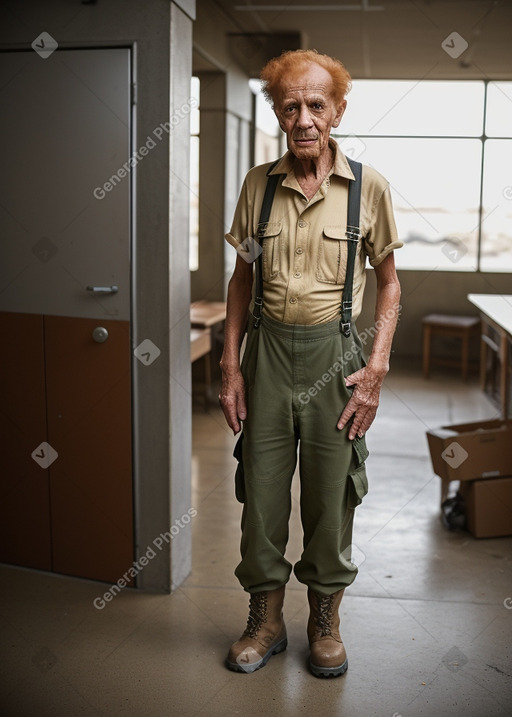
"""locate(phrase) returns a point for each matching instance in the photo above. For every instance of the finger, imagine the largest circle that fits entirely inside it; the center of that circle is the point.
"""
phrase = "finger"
(234, 423)
(362, 422)
(230, 414)
(347, 414)
(241, 407)
(354, 378)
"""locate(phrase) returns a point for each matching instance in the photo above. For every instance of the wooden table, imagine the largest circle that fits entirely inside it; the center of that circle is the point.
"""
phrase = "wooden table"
(204, 314)
(496, 314)
(201, 345)
(206, 321)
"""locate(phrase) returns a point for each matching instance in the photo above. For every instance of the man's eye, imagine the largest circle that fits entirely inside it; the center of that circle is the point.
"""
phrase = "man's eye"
(317, 106)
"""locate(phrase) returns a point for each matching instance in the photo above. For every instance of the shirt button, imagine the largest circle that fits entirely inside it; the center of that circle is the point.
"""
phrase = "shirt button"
(298, 250)
(297, 275)
(302, 224)
(293, 300)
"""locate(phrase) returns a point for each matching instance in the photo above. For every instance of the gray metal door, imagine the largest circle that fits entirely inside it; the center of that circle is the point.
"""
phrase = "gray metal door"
(64, 224)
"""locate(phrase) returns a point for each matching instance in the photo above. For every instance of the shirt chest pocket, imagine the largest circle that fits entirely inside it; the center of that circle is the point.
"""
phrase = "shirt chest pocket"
(271, 240)
(332, 255)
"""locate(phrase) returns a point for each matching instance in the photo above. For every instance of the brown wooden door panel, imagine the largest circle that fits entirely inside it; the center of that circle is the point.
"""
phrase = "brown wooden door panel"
(25, 536)
(89, 425)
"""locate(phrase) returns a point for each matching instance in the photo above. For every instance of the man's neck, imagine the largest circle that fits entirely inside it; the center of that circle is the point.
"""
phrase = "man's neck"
(311, 173)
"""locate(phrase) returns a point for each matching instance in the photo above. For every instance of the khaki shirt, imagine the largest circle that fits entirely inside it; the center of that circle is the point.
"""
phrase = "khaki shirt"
(304, 245)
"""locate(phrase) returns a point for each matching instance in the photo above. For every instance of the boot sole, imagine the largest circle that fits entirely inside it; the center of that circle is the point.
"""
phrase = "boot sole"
(328, 671)
(235, 667)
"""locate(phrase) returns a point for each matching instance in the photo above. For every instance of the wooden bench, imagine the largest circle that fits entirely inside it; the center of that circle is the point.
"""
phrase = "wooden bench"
(460, 327)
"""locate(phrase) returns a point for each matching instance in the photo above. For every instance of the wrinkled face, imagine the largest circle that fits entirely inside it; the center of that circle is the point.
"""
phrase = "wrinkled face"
(307, 112)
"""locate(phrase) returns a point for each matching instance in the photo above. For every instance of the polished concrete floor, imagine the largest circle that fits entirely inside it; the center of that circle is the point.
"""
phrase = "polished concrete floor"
(427, 624)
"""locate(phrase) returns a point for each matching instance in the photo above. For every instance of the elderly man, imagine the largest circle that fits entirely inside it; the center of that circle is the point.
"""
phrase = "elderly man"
(303, 386)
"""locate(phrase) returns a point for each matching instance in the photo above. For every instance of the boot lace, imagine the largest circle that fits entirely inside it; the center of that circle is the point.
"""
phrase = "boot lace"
(257, 613)
(324, 614)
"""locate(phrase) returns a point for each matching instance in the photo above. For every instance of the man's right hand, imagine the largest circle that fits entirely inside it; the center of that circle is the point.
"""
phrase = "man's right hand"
(232, 399)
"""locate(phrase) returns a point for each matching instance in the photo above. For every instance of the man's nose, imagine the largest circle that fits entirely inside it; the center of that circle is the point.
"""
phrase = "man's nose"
(304, 120)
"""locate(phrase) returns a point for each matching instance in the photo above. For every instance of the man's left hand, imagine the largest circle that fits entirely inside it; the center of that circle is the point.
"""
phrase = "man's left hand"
(363, 403)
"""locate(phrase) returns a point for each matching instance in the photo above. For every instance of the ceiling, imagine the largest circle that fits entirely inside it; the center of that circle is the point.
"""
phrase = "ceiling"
(374, 38)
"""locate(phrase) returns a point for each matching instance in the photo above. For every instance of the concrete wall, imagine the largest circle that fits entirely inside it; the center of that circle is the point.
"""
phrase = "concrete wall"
(160, 34)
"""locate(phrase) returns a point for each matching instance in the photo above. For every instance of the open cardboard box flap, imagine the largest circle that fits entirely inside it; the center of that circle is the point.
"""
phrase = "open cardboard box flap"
(468, 451)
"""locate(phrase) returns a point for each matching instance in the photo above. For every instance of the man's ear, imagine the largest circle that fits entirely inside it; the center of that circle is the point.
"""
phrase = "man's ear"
(339, 113)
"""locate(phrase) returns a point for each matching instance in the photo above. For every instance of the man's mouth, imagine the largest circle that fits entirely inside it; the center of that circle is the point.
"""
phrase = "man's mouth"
(305, 140)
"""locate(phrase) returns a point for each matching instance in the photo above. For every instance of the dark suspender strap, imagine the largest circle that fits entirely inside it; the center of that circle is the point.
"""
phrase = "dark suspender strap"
(268, 198)
(353, 234)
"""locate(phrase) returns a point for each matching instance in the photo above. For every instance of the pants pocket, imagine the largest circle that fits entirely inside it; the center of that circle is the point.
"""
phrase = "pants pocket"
(239, 473)
(360, 450)
(358, 486)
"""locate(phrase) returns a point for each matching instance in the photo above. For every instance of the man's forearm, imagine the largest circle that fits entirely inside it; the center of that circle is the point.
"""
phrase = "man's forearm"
(387, 309)
(239, 298)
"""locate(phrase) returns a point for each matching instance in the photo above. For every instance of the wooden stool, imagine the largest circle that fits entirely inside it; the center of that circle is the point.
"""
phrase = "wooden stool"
(461, 327)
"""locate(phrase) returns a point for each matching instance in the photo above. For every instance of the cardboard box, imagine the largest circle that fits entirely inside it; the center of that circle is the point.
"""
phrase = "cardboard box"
(488, 506)
(472, 450)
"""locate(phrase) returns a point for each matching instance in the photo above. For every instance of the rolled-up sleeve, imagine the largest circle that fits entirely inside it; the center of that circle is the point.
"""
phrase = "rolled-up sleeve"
(382, 237)
(241, 227)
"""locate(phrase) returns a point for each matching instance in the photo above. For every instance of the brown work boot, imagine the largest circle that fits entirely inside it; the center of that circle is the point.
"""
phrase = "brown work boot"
(264, 635)
(328, 657)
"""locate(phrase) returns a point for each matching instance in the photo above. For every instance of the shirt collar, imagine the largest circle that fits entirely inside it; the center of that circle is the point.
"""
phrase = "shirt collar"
(340, 167)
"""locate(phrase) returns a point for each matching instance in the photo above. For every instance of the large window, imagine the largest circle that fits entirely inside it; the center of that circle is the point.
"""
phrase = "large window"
(446, 149)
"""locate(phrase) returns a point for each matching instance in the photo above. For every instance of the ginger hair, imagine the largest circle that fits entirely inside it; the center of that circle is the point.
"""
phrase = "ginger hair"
(293, 61)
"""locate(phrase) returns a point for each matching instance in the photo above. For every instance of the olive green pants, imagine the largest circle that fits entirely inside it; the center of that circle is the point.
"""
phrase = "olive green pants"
(294, 377)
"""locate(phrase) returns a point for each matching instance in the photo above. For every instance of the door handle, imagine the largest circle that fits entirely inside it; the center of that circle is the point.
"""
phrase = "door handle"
(100, 334)
(103, 289)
